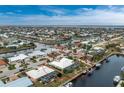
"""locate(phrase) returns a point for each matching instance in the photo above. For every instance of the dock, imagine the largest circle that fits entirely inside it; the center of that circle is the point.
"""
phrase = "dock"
(85, 71)
(91, 67)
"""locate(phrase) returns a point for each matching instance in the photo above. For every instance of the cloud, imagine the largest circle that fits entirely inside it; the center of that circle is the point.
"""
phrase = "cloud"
(54, 10)
(6, 13)
(9, 13)
(111, 15)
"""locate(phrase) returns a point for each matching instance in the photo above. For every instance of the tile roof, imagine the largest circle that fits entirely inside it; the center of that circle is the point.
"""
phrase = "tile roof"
(2, 62)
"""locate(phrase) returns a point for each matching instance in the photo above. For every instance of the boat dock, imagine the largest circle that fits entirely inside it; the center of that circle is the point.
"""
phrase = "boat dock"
(91, 67)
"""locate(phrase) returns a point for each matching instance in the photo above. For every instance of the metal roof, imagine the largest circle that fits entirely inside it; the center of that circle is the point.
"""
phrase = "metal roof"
(19, 57)
(21, 82)
(41, 71)
(63, 63)
(1, 84)
(37, 53)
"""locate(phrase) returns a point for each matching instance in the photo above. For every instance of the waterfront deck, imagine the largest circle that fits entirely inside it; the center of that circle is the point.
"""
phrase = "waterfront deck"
(90, 67)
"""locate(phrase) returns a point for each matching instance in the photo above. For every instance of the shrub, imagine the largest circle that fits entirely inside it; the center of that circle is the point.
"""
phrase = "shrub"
(11, 67)
(122, 84)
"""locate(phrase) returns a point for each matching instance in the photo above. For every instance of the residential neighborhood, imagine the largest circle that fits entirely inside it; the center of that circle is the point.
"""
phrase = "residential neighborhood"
(52, 56)
(61, 45)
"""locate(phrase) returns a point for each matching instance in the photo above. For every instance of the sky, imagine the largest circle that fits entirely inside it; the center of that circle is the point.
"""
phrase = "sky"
(61, 15)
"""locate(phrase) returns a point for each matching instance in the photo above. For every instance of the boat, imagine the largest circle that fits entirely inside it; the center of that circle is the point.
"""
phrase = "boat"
(84, 72)
(68, 84)
(107, 60)
(90, 72)
(98, 66)
(116, 79)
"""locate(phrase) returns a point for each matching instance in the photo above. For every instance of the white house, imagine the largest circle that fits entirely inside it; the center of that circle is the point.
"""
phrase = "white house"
(19, 57)
(36, 53)
(63, 64)
(85, 42)
(43, 73)
(12, 45)
(99, 49)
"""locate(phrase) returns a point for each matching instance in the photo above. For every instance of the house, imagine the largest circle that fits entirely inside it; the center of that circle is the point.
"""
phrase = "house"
(64, 64)
(36, 53)
(1, 43)
(1, 84)
(99, 49)
(85, 42)
(122, 48)
(19, 57)
(42, 73)
(21, 82)
(12, 46)
(2, 64)
(50, 50)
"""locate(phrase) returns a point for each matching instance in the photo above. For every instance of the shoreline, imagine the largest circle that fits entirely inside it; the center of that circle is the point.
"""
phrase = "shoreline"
(11, 51)
(102, 60)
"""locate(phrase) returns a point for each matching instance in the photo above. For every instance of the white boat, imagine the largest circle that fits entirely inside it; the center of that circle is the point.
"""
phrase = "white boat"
(98, 66)
(116, 79)
(90, 72)
(68, 84)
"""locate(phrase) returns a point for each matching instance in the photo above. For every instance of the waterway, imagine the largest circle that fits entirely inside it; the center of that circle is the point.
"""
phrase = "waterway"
(39, 46)
(104, 76)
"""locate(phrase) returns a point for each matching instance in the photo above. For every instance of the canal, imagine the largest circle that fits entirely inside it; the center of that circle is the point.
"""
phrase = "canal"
(104, 76)
(39, 46)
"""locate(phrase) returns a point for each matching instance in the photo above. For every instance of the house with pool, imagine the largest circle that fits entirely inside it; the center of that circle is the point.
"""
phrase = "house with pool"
(42, 73)
(65, 64)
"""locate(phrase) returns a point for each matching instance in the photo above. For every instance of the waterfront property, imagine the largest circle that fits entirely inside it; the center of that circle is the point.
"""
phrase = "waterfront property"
(21, 82)
(42, 73)
(104, 76)
(46, 61)
(64, 64)
(98, 50)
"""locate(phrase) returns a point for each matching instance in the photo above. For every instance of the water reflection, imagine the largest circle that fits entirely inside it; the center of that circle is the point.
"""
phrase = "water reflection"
(104, 76)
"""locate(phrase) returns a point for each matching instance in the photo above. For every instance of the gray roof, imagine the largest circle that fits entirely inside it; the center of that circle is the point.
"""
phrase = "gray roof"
(21, 82)
(1, 84)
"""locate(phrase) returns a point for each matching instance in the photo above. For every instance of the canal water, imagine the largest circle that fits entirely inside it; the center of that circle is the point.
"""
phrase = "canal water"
(39, 46)
(104, 76)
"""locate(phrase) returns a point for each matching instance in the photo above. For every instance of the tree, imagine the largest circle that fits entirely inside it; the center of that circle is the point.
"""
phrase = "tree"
(89, 47)
(118, 49)
(11, 66)
(74, 50)
(70, 57)
(122, 84)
